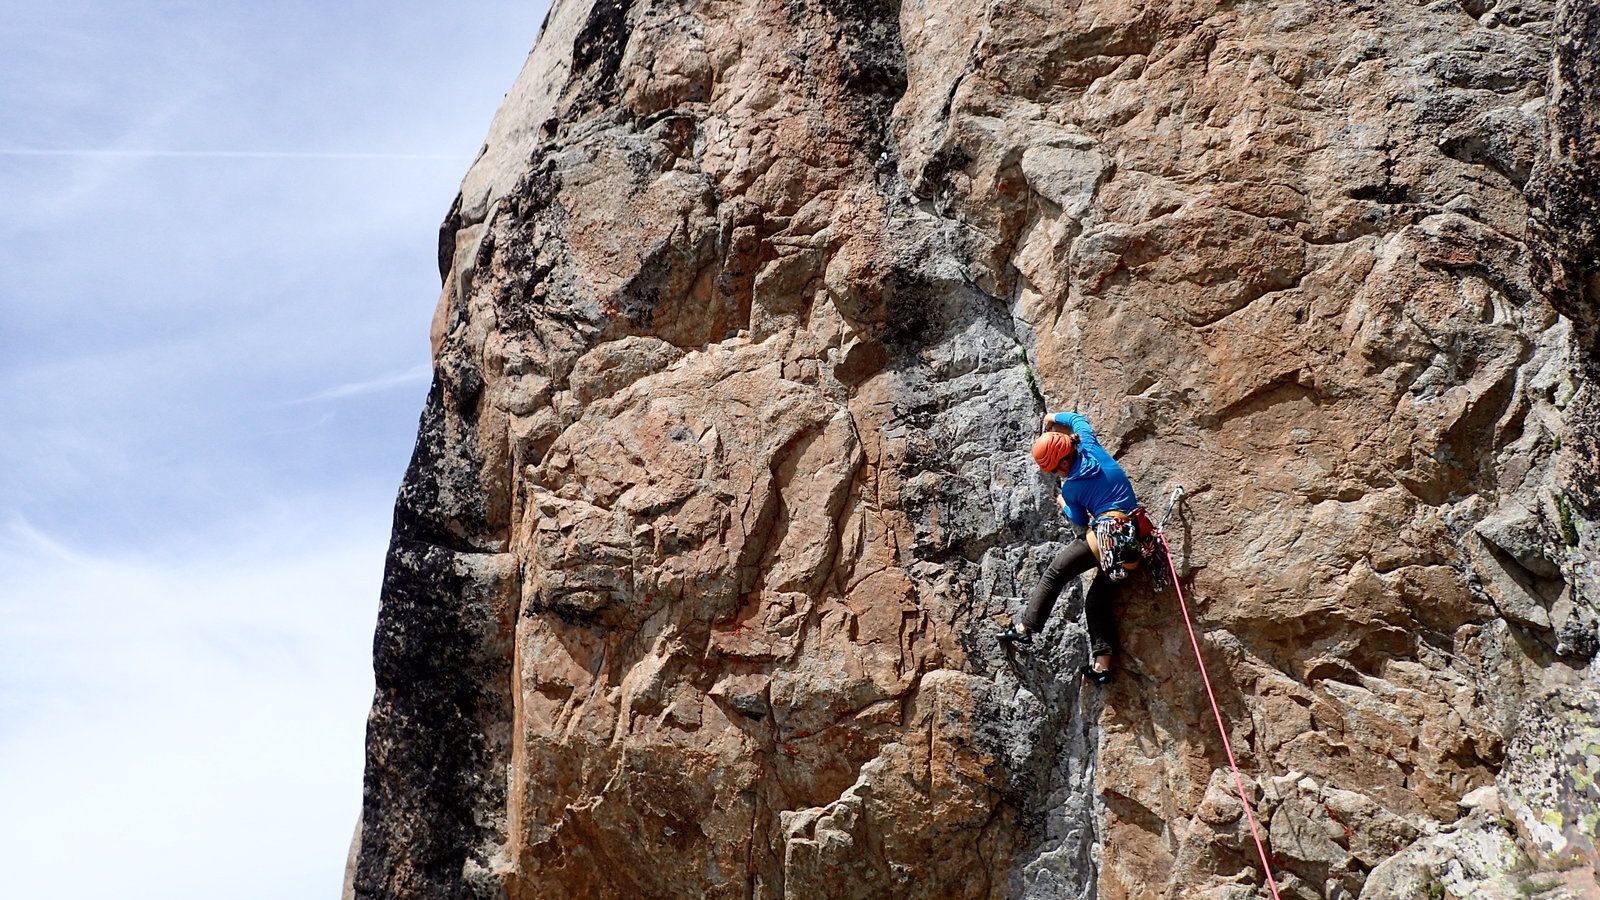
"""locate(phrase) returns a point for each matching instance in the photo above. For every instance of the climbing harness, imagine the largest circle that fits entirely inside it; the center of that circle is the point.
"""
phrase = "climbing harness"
(1122, 541)
(1222, 729)
(1117, 540)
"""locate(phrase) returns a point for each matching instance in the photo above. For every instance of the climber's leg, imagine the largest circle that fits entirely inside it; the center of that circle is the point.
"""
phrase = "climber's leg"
(1102, 627)
(1071, 562)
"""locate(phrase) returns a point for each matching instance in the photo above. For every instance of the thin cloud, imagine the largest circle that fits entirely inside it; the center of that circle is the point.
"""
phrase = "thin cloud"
(225, 686)
(24, 540)
(90, 179)
(412, 375)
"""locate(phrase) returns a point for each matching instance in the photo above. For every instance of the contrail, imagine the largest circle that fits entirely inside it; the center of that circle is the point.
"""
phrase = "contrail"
(373, 386)
(231, 154)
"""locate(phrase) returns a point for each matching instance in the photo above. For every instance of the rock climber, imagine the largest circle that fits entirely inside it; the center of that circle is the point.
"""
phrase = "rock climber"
(1098, 500)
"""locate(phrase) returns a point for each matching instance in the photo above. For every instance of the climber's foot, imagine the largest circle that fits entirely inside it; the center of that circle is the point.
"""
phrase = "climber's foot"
(1016, 636)
(1100, 671)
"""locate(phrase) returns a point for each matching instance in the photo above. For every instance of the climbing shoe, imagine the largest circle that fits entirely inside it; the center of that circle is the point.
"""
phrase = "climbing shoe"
(1096, 677)
(1016, 636)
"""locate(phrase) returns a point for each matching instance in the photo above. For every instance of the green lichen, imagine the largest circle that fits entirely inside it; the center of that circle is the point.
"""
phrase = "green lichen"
(1434, 890)
(1533, 887)
(1569, 529)
(1552, 818)
(1568, 391)
(1027, 372)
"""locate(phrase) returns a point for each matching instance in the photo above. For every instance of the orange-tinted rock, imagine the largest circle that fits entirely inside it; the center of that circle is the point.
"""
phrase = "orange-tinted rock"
(750, 313)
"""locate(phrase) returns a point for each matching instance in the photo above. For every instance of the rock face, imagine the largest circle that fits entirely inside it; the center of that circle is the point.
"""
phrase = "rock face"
(750, 312)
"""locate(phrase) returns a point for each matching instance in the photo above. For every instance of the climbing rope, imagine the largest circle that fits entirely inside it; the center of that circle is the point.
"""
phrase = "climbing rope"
(1222, 729)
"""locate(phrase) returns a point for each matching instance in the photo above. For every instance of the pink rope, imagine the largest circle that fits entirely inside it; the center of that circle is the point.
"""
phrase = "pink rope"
(1238, 780)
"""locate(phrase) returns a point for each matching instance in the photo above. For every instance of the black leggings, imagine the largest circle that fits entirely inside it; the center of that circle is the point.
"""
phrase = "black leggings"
(1076, 559)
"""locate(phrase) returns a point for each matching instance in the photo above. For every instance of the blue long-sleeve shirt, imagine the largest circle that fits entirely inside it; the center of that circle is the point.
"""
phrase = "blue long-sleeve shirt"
(1096, 483)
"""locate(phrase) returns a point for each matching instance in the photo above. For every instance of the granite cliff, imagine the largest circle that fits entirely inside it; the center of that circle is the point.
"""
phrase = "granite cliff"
(750, 311)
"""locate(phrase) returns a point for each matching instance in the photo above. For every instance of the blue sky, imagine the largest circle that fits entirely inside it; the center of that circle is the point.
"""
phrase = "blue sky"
(217, 232)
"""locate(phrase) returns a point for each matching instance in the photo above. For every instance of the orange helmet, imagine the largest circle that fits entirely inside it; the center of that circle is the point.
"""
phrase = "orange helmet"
(1051, 448)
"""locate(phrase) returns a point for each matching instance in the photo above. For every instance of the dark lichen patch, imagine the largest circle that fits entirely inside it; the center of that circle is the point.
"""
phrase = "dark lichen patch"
(597, 52)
